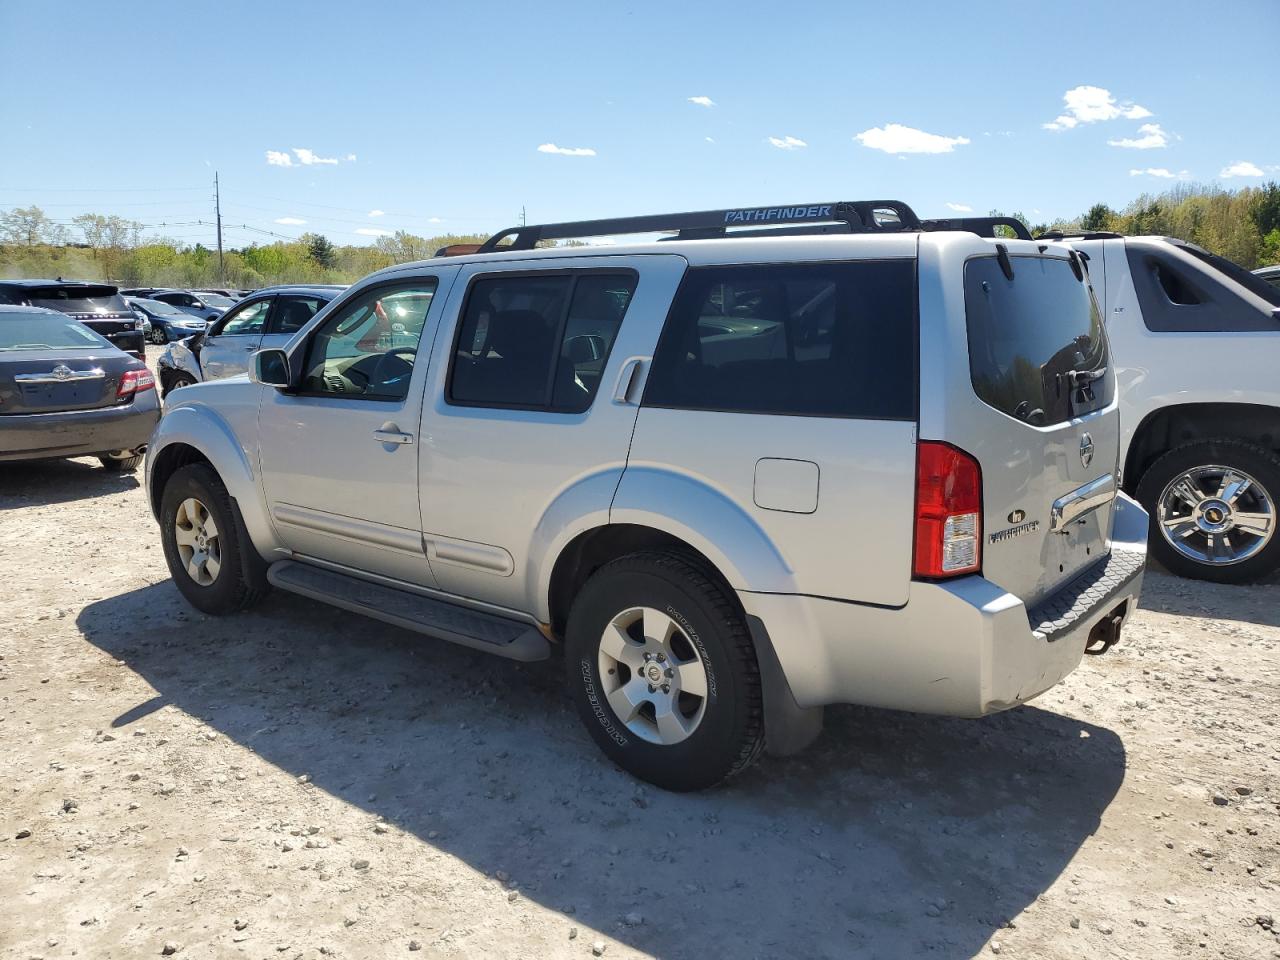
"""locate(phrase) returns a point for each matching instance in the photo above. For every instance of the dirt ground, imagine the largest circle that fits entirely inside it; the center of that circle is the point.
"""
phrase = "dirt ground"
(297, 782)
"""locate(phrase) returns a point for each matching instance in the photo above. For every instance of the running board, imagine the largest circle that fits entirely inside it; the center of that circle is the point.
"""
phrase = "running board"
(436, 618)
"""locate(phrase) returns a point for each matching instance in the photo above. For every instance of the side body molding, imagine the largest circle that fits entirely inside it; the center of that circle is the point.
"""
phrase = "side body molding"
(708, 521)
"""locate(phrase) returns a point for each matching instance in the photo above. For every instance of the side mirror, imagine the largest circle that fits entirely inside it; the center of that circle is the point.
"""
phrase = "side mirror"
(270, 368)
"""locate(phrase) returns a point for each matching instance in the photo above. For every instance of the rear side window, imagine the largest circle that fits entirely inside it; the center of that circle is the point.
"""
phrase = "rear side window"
(1183, 289)
(538, 341)
(79, 299)
(813, 339)
(1028, 335)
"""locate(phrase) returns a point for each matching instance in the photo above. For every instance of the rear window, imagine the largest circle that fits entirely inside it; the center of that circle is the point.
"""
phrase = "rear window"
(40, 331)
(78, 299)
(1250, 281)
(1029, 334)
(820, 339)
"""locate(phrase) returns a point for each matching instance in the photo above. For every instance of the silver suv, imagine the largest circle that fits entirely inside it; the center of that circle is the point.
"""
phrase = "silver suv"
(796, 456)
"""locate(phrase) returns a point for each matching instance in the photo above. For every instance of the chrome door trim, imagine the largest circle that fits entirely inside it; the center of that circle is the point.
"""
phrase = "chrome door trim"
(1081, 501)
(97, 373)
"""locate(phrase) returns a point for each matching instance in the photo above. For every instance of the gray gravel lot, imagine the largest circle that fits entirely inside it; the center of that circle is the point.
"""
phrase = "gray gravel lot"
(300, 782)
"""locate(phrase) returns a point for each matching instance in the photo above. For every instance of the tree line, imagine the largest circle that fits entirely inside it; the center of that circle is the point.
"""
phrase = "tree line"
(1242, 225)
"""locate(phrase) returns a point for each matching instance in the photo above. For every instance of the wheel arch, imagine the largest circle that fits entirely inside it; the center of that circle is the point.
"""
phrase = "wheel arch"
(1172, 426)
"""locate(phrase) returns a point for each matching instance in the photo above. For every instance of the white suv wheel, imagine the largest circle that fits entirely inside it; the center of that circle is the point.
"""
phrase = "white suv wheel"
(1216, 515)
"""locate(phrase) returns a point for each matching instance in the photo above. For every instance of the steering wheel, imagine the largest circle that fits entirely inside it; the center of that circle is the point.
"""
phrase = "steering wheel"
(399, 354)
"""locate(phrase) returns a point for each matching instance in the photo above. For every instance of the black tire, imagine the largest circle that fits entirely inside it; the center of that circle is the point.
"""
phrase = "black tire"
(121, 464)
(1259, 463)
(177, 381)
(158, 336)
(241, 579)
(730, 735)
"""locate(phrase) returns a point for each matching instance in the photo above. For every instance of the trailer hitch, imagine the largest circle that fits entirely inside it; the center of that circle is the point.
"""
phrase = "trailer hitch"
(1106, 632)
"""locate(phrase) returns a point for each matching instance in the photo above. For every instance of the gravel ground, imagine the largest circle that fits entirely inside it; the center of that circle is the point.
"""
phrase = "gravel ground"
(297, 782)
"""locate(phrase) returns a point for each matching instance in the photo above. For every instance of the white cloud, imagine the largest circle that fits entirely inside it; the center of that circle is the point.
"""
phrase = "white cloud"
(308, 157)
(377, 213)
(567, 151)
(959, 207)
(702, 101)
(709, 139)
(787, 143)
(1241, 168)
(372, 232)
(895, 138)
(351, 158)
(1162, 172)
(1087, 104)
(434, 220)
(290, 221)
(278, 158)
(1152, 137)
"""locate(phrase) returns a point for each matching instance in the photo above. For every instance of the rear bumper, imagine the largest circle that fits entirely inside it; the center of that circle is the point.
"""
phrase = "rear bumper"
(964, 647)
(79, 433)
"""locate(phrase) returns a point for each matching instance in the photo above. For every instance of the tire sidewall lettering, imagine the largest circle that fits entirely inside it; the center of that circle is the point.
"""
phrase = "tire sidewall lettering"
(603, 716)
(696, 640)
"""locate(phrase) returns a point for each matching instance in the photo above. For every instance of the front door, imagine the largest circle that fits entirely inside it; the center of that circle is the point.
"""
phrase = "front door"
(291, 313)
(232, 340)
(339, 452)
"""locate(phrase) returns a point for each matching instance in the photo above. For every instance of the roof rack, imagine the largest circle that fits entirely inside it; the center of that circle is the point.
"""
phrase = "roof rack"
(982, 226)
(1079, 235)
(852, 216)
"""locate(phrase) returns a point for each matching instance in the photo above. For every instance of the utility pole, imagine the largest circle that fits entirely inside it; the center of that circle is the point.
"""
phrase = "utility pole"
(522, 218)
(217, 210)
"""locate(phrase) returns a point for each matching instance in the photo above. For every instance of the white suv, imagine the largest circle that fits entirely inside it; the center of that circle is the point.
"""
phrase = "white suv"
(1196, 341)
(824, 457)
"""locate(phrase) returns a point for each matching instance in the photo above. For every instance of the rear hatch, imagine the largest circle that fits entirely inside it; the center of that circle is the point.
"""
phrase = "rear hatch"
(100, 306)
(1046, 429)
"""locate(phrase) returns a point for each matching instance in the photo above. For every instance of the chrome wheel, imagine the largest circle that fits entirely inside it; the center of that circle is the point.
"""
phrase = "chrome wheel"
(652, 675)
(1216, 515)
(196, 535)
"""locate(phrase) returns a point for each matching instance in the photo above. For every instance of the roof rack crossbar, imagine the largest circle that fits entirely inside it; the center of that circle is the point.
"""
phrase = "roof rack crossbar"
(856, 216)
(982, 226)
(1079, 235)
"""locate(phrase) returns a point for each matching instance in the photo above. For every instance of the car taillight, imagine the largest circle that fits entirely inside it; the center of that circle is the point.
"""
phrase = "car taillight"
(134, 381)
(948, 511)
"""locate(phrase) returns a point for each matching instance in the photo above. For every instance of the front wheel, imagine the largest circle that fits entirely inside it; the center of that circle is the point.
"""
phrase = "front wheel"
(177, 381)
(664, 673)
(158, 336)
(210, 557)
(1213, 510)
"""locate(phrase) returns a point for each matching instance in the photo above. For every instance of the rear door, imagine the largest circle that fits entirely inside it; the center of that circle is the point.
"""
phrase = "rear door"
(788, 392)
(1021, 379)
(232, 340)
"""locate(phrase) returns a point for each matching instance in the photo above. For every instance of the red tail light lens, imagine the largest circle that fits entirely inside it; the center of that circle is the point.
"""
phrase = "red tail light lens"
(948, 512)
(134, 381)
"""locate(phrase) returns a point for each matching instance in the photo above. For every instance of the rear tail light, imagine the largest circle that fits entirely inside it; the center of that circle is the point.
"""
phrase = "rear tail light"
(948, 512)
(134, 381)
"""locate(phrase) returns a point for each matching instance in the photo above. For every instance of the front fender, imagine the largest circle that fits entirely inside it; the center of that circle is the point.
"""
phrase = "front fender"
(234, 459)
(709, 522)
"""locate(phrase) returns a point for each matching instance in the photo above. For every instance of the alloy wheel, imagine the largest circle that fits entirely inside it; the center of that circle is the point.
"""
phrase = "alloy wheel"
(1216, 515)
(652, 675)
(196, 536)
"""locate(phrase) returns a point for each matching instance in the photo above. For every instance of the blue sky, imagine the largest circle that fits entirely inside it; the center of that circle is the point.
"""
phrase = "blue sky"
(433, 114)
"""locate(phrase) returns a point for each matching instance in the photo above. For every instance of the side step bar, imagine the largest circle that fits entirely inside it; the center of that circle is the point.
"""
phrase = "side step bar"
(436, 618)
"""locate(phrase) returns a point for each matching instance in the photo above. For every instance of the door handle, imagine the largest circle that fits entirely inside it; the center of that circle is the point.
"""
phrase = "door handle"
(626, 378)
(391, 435)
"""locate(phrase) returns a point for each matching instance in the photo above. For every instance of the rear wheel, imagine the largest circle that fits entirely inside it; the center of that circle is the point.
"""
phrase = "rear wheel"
(1213, 510)
(125, 464)
(664, 673)
(209, 554)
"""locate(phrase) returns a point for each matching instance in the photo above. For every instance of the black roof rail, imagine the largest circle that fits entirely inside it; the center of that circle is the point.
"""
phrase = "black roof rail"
(982, 226)
(1079, 235)
(852, 216)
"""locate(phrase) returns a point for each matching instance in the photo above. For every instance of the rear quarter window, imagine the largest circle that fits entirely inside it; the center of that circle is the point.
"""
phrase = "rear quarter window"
(812, 339)
(1028, 334)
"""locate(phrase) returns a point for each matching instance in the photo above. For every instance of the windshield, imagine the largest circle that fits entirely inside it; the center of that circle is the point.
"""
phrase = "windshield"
(78, 299)
(41, 331)
(160, 308)
(1029, 335)
(1250, 281)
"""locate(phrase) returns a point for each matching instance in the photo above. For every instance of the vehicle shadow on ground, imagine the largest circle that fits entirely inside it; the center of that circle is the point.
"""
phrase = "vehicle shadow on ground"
(1257, 603)
(894, 835)
(47, 482)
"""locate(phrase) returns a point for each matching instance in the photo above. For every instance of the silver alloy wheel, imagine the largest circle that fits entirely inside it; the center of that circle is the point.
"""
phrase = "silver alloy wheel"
(652, 676)
(197, 537)
(1216, 515)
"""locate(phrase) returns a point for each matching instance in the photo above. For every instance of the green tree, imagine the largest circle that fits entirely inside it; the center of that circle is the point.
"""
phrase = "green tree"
(320, 250)
(1265, 213)
(29, 226)
(1099, 217)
